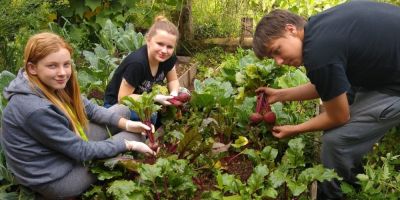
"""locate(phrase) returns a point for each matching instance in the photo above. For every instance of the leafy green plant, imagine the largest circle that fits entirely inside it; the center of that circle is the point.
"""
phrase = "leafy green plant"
(10, 55)
(128, 189)
(120, 41)
(114, 182)
(92, 16)
(18, 20)
(380, 180)
(169, 178)
(99, 72)
(271, 178)
(247, 72)
(5, 78)
(221, 18)
(216, 100)
(144, 107)
(77, 36)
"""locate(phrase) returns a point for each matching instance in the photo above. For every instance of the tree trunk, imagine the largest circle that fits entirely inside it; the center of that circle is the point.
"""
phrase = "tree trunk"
(185, 21)
(246, 29)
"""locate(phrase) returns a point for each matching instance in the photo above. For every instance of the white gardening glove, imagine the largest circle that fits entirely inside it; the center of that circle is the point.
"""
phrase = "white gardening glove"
(139, 147)
(174, 93)
(163, 99)
(136, 127)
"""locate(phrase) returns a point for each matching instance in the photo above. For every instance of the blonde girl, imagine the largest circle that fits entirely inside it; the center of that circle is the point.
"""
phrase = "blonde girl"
(149, 65)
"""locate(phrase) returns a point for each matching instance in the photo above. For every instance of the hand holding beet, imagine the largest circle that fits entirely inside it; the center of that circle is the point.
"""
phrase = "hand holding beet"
(139, 147)
(272, 94)
(263, 111)
(135, 126)
(179, 100)
(145, 107)
(163, 99)
(150, 134)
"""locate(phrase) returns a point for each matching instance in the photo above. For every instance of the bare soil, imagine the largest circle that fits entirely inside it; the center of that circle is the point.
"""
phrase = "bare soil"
(240, 166)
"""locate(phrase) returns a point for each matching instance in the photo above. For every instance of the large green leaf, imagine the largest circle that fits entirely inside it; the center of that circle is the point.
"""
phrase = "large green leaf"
(277, 177)
(229, 183)
(149, 172)
(269, 154)
(296, 188)
(103, 174)
(126, 190)
(256, 180)
(202, 100)
(292, 79)
(269, 192)
(5, 78)
(191, 138)
(92, 4)
(294, 155)
(253, 155)
(317, 172)
(8, 195)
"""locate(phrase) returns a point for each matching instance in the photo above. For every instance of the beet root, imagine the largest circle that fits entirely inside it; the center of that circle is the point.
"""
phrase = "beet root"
(256, 118)
(150, 135)
(263, 111)
(175, 102)
(183, 97)
(153, 146)
(269, 117)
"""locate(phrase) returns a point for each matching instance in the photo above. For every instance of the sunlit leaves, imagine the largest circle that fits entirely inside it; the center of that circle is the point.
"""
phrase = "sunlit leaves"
(241, 141)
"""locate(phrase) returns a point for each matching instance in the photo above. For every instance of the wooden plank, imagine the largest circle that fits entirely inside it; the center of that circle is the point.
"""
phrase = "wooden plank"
(187, 78)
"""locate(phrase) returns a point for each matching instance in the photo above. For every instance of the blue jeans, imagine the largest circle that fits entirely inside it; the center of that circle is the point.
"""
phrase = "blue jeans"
(134, 115)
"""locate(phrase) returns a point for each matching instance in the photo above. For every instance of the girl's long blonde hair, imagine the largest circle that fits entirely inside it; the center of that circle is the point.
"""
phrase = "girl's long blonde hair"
(68, 100)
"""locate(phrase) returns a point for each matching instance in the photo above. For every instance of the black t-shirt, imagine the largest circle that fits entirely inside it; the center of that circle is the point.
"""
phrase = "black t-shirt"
(136, 71)
(355, 43)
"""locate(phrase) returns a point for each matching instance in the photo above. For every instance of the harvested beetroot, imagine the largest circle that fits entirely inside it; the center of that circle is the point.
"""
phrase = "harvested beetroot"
(153, 146)
(172, 147)
(175, 102)
(263, 111)
(179, 102)
(269, 117)
(150, 134)
(256, 118)
(183, 97)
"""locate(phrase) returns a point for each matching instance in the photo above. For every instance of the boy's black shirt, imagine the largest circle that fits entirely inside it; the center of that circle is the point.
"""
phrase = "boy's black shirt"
(355, 43)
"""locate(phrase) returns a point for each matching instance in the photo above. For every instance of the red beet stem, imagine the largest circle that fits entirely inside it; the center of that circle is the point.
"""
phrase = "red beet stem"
(149, 133)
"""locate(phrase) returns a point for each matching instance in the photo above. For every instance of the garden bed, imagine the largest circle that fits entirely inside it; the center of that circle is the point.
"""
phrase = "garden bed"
(186, 72)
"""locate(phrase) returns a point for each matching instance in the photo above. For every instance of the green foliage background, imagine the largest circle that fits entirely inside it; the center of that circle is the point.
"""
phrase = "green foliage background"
(221, 18)
(79, 22)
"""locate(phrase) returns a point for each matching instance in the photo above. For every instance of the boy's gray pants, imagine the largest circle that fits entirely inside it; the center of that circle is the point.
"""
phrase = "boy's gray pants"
(372, 114)
(79, 179)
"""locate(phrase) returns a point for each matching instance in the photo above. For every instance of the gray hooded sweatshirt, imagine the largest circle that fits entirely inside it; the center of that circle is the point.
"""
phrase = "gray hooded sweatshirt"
(38, 143)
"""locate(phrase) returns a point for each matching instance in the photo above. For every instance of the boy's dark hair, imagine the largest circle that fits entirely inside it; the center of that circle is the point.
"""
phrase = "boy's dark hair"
(272, 26)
